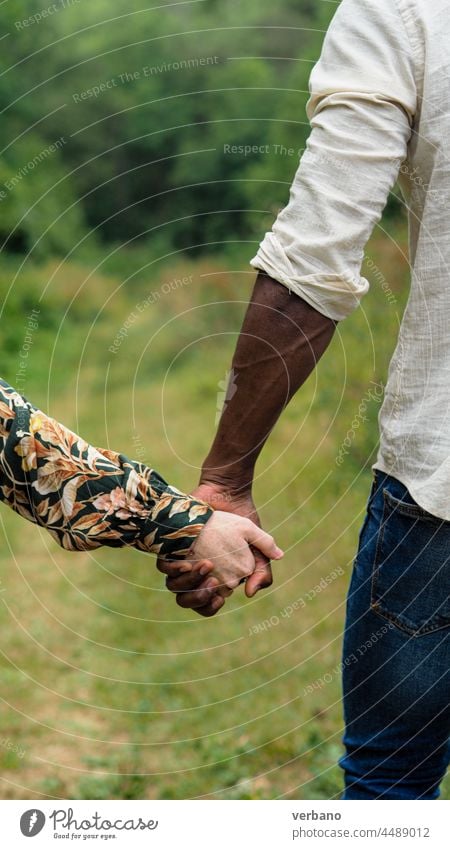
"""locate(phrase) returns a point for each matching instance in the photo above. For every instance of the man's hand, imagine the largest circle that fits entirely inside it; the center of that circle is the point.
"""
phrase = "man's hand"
(193, 584)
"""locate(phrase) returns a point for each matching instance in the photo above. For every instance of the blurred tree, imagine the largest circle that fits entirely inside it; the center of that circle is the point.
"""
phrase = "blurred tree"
(147, 102)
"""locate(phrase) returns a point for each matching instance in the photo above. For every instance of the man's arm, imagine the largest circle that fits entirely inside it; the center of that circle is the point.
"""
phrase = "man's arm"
(362, 108)
(281, 341)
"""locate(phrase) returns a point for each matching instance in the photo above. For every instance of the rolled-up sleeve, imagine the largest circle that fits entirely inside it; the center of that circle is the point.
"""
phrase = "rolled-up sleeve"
(86, 497)
(363, 100)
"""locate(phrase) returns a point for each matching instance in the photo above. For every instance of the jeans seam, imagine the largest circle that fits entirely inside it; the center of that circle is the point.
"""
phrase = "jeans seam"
(375, 569)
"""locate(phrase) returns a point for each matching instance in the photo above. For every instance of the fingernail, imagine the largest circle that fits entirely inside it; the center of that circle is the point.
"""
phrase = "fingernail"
(187, 567)
(205, 569)
(279, 552)
(211, 584)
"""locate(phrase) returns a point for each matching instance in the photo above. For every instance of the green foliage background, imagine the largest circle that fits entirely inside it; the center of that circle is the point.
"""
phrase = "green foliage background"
(108, 689)
(137, 149)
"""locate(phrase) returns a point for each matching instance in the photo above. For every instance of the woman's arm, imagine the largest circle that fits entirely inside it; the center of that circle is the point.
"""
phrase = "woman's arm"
(87, 497)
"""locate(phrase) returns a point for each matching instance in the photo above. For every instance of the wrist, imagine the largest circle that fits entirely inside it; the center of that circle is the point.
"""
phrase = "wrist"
(222, 469)
(236, 485)
(223, 495)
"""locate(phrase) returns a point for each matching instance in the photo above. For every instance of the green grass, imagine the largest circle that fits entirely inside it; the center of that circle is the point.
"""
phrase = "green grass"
(109, 689)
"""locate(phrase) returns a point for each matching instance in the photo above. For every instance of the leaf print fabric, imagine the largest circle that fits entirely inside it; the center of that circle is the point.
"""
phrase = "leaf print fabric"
(87, 497)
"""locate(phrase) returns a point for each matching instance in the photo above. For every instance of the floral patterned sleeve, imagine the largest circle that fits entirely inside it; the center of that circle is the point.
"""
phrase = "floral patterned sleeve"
(87, 497)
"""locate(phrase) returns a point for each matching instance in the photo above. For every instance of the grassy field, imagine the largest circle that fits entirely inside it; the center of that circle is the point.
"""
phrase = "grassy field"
(109, 690)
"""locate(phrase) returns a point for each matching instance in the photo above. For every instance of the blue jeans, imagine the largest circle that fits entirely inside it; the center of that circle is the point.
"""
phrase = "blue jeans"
(396, 653)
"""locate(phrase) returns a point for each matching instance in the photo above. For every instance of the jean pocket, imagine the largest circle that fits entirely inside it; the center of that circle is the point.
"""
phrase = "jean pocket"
(411, 570)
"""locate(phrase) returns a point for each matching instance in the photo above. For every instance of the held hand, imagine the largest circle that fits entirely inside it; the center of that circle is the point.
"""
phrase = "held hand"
(194, 585)
(221, 497)
(226, 541)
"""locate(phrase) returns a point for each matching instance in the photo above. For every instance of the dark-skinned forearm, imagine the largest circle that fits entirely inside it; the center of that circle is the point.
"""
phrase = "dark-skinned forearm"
(281, 341)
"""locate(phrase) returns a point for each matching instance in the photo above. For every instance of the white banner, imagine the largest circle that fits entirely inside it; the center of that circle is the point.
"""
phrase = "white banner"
(225, 825)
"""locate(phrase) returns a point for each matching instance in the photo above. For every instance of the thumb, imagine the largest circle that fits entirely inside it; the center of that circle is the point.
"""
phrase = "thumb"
(264, 542)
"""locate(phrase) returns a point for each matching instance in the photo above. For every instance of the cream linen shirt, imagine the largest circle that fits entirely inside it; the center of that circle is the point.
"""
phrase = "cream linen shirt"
(380, 109)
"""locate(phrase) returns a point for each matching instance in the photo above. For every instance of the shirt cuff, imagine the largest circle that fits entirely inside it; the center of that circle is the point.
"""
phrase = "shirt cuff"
(174, 523)
(336, 296)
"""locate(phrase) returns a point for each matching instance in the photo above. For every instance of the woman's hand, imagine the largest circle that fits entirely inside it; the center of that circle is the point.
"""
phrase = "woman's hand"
(194, 585)
(226, 542)
(238, 500)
